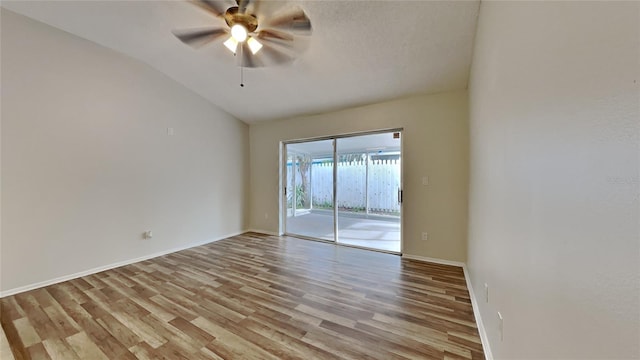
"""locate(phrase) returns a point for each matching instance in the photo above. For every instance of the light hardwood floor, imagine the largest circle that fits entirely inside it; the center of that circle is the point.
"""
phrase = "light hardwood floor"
(251, 297)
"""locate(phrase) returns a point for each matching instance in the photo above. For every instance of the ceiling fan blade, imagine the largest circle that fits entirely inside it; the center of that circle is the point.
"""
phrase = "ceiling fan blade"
(271, 55)
(217, 8)
(279, 45)
(267, 56)
(274, 35)
(283, 42)
(293, 20)
(199, 37)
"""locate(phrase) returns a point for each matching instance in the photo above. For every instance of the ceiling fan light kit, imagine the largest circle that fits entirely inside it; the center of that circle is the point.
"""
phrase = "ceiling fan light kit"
(231, 44)
(254, 45)
(239, 32)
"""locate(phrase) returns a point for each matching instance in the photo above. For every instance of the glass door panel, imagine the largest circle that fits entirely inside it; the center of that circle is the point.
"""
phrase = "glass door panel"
(368, 191)
(309, 189)
(290, 184)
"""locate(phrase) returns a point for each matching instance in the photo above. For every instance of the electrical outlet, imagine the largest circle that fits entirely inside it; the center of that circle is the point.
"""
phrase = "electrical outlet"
(486, 292)
(425, 236)
(170, 131)
(425, 180)
(147, 234)
(500, 326)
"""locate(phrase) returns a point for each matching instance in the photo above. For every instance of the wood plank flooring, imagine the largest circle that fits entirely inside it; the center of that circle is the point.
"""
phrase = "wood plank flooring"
(251, 296)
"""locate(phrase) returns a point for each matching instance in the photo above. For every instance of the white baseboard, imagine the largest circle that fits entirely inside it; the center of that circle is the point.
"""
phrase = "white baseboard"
(433, 260)
(108, 267)
(476, 313)
(266, 232)
(474, 302)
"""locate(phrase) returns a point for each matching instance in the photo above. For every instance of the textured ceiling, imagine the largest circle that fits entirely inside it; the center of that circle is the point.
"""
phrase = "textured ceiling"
(360, 51)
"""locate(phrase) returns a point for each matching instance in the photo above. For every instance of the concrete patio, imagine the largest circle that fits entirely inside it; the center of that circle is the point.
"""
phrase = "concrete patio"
(375, 232)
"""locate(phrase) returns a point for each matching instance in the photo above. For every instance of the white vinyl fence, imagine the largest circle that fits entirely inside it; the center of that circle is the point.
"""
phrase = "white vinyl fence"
(355, 188)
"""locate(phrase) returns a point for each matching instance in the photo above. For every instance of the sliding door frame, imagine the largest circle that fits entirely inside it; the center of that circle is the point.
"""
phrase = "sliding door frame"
(283, 184)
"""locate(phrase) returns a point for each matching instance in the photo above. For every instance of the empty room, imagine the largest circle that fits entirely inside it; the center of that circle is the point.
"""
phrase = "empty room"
(260, 179)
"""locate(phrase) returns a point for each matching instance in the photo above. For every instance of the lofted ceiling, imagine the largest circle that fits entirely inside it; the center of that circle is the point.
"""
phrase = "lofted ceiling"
(360, 52)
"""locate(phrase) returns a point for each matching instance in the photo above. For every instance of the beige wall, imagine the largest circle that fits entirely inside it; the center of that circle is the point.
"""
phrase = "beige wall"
(435, 145)
(554, 189)
(87, 165)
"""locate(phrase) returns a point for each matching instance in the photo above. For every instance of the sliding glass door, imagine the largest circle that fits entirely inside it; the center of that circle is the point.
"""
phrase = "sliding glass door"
(346, 189)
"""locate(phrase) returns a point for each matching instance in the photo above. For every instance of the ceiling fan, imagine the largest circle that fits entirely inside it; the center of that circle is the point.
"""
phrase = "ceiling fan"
(258, 40)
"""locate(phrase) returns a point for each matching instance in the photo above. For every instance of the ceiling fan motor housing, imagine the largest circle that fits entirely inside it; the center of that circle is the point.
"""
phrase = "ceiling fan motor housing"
(233, 17)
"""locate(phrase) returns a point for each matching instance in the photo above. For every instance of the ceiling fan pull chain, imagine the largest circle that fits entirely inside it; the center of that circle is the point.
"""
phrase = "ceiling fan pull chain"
(241, 66)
